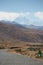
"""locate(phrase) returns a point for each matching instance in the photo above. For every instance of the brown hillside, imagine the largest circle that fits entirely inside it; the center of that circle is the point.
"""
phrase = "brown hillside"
(11, 33)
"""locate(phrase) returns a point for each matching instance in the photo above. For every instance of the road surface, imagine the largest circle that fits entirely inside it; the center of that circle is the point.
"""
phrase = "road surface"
(7, 58)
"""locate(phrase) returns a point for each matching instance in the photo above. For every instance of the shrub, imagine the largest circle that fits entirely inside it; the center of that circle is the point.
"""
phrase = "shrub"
(39, 53)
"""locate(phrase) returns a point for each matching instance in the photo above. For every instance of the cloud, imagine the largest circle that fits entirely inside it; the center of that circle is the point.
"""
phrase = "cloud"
(10, 16)
(24, 14)
(39, 15)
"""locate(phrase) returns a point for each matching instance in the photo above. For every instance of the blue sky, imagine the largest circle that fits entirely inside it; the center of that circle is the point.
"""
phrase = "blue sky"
(22, 11)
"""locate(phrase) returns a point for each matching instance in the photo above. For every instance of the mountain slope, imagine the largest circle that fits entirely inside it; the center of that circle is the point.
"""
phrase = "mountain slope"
(10, 33)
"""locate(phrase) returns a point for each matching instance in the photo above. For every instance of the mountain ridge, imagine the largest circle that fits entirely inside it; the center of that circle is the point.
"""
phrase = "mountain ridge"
(20, 33)
(13, 35)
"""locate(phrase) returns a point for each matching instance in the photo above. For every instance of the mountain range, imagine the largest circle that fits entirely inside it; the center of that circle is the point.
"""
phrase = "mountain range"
(10, 33)
(34, 27)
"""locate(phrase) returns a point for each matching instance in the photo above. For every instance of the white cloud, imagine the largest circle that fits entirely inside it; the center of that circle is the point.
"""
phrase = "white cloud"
(39, 15)
(24, 14)
(10, 16)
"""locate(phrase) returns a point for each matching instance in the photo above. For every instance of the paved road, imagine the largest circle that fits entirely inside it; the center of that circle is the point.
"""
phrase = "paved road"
(7, 58)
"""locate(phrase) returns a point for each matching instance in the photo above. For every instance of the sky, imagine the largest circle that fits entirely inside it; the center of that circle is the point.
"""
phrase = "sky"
(22, 11)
